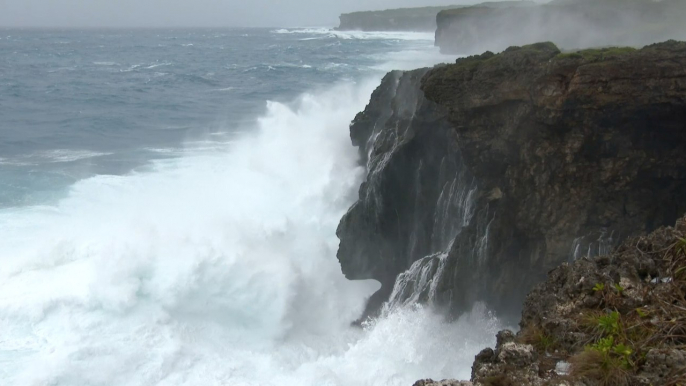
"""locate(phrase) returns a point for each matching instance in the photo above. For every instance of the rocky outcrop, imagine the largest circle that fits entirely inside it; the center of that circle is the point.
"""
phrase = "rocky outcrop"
(485, 174)
(617, 319)
(571, 24)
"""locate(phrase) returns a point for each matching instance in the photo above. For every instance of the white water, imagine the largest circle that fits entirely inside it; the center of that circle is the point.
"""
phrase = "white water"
(217, 268)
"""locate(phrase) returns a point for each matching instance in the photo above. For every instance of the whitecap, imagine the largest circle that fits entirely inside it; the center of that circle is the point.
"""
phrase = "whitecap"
(65, 155)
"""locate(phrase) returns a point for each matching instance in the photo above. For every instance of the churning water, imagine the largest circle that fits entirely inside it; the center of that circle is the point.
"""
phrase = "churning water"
(161, 223)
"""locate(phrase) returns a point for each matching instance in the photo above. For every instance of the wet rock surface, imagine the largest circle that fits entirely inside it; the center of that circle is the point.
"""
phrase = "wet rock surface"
(485, 174)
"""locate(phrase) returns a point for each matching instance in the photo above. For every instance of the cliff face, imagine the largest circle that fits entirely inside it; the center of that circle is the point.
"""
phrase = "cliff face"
(416, 194)
(570, 24)
(485, 174)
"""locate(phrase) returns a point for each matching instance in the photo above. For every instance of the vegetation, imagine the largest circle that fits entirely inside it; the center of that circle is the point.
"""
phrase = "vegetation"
(609, 341)
(620, 341)
(539, 339)
(596, 54)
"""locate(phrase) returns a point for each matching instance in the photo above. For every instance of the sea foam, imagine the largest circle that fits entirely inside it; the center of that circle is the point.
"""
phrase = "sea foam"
(215, 268)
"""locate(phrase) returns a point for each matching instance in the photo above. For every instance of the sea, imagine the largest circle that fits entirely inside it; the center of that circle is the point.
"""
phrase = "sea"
(168, 208)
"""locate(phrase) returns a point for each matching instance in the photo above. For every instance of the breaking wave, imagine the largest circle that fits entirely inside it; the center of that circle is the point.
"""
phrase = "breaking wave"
(215, 268)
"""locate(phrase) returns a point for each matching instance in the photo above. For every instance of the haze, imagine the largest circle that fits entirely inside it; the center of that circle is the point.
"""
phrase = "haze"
(190, 13)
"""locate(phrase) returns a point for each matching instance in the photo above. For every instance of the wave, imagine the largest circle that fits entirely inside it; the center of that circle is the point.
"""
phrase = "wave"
(214, 268)
(361, 35)
(64, 155)
(52, 156)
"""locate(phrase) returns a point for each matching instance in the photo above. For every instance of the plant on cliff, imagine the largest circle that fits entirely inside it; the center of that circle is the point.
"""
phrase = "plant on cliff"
(601, 366)
(539, 339)
(621, 341)
(610, 333)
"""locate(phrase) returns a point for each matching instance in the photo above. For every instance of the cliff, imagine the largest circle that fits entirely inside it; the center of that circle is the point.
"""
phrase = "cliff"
(404, 19)
(485, 174)
(569, 24)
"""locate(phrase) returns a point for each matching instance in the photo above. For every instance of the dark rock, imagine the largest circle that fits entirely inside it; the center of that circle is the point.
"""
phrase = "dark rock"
(512, 363)
(571, 155)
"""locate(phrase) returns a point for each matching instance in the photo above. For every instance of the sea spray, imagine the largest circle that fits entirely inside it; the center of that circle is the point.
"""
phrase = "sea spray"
(216, 268)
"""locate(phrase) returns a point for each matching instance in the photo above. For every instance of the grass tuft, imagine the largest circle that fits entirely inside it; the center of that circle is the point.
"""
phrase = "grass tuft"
(606, 369)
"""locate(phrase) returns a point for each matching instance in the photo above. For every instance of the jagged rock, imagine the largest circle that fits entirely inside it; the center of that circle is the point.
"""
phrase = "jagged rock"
(511, 362)
(486, 174)
(651, 313)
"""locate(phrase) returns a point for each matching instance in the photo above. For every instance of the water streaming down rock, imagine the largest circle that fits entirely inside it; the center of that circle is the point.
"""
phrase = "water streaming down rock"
(417, 196)
(560, 147)
(454, 211)
(594, 244)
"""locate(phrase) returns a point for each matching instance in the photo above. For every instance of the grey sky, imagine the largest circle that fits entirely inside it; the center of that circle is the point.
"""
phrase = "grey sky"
(210, 13)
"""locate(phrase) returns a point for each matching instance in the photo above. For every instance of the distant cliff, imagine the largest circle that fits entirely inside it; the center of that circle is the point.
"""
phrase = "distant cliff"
(485, 174)
(403, 19)
(571, 24)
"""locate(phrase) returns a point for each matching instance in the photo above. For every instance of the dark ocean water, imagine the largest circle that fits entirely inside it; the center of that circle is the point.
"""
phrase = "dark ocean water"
(78, 103)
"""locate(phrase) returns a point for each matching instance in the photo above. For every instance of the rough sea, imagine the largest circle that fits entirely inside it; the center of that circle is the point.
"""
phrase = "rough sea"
(168, 207)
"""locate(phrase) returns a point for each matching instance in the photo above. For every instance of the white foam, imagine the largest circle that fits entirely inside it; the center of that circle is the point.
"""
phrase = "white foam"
(216, 268)
(65, 155)
(52, 156)
(363, 35)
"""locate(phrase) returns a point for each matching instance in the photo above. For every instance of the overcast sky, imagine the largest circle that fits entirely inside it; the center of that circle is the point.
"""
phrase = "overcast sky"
(210, 13)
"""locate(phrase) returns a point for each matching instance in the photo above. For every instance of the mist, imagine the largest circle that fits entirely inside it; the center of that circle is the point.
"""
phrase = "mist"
(570, 24)
(187, 13)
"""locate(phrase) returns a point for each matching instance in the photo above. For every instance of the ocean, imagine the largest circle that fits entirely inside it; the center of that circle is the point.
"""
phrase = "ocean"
(168, 207)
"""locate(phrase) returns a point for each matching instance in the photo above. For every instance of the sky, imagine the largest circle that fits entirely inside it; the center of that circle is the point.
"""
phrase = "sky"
(191, 13)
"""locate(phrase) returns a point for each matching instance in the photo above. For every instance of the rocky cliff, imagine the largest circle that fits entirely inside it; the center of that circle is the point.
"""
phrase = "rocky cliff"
(612, 320)
(485, 174)
(568, 23)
